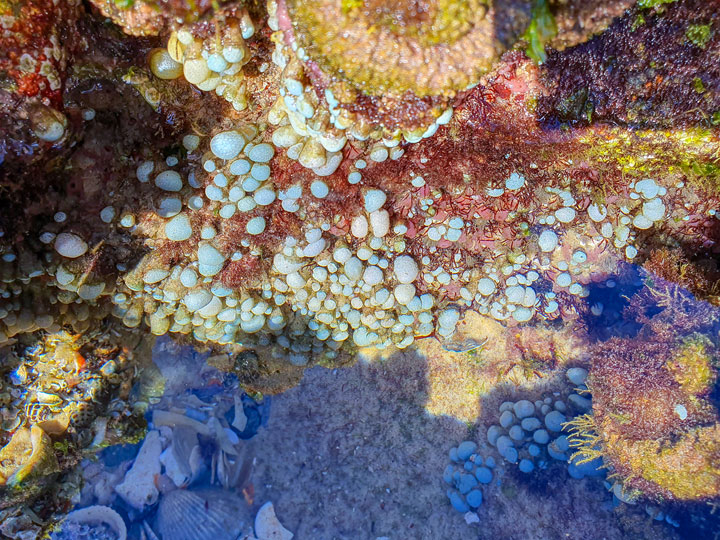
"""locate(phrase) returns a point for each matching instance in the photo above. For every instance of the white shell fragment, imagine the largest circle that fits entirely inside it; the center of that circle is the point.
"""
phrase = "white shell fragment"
(267, 525)
(138, 487)
(99, 515)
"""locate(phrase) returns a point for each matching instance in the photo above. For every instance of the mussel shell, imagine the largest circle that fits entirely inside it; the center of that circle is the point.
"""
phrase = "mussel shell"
(209, 514)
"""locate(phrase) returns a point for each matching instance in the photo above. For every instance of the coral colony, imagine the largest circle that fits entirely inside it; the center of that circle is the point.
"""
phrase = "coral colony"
(292, 183)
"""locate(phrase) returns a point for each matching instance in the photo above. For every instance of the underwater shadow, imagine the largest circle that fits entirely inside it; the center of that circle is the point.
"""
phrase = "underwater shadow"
(353, 454)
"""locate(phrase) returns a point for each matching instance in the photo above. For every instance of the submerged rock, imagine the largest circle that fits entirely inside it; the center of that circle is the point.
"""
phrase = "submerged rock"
(28, 454)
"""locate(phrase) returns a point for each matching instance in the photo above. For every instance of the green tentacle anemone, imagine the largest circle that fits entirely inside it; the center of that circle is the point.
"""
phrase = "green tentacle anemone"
(425, 47)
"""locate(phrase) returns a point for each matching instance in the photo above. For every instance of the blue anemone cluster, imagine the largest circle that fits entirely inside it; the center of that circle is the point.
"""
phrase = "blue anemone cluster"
(466, 474)
(529, 434)
(532, 434)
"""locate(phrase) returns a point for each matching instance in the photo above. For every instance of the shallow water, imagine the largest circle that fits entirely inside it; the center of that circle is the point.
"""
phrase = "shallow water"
(359, 452)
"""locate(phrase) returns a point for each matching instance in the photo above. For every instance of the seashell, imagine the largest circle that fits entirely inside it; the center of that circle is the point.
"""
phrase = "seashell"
(172, 419)
(37, 412)
(184, 440)
(12, 424)
(47, 398)
(20, 525)
(147, 533)
(55, 424)
(81, 413)
(227, 468)
(209, 514)
(94, 522)
(183, 459)
(240, 420)
(138, 488)
(267, 525)
(29, 453)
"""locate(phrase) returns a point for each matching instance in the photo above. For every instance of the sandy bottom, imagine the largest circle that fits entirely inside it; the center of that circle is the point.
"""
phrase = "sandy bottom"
(353, 454)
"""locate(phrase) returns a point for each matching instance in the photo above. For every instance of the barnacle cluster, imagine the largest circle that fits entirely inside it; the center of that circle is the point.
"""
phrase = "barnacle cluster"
(306, 179)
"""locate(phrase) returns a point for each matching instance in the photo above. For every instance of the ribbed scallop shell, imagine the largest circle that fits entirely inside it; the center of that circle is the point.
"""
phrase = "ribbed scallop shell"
(210, 514)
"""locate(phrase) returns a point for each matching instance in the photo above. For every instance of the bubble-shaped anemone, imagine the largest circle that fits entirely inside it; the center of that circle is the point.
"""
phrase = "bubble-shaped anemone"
(414, 48)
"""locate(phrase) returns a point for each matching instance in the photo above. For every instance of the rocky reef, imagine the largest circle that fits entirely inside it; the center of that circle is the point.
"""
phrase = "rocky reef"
(286, 184)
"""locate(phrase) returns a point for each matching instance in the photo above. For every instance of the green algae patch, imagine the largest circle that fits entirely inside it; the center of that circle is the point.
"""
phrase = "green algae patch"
(638, 22)
(349, 5)
(542, 29)
(690, 154)
(692, 365)
(699, 34)
(647, 4)
(699, 86)
(686, 469)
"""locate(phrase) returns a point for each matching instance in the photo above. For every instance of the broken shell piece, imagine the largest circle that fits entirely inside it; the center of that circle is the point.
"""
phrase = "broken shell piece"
(240, 421)
(174, 470)
(182, 459)
(184, 444)
(267, 525)
(56, 424)
(93, 516)
(29, 453)
(167, 418)
(138, 488)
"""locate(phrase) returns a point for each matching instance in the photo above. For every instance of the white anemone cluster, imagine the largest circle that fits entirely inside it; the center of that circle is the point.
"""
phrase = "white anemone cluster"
(315, 132)
(211, 64)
